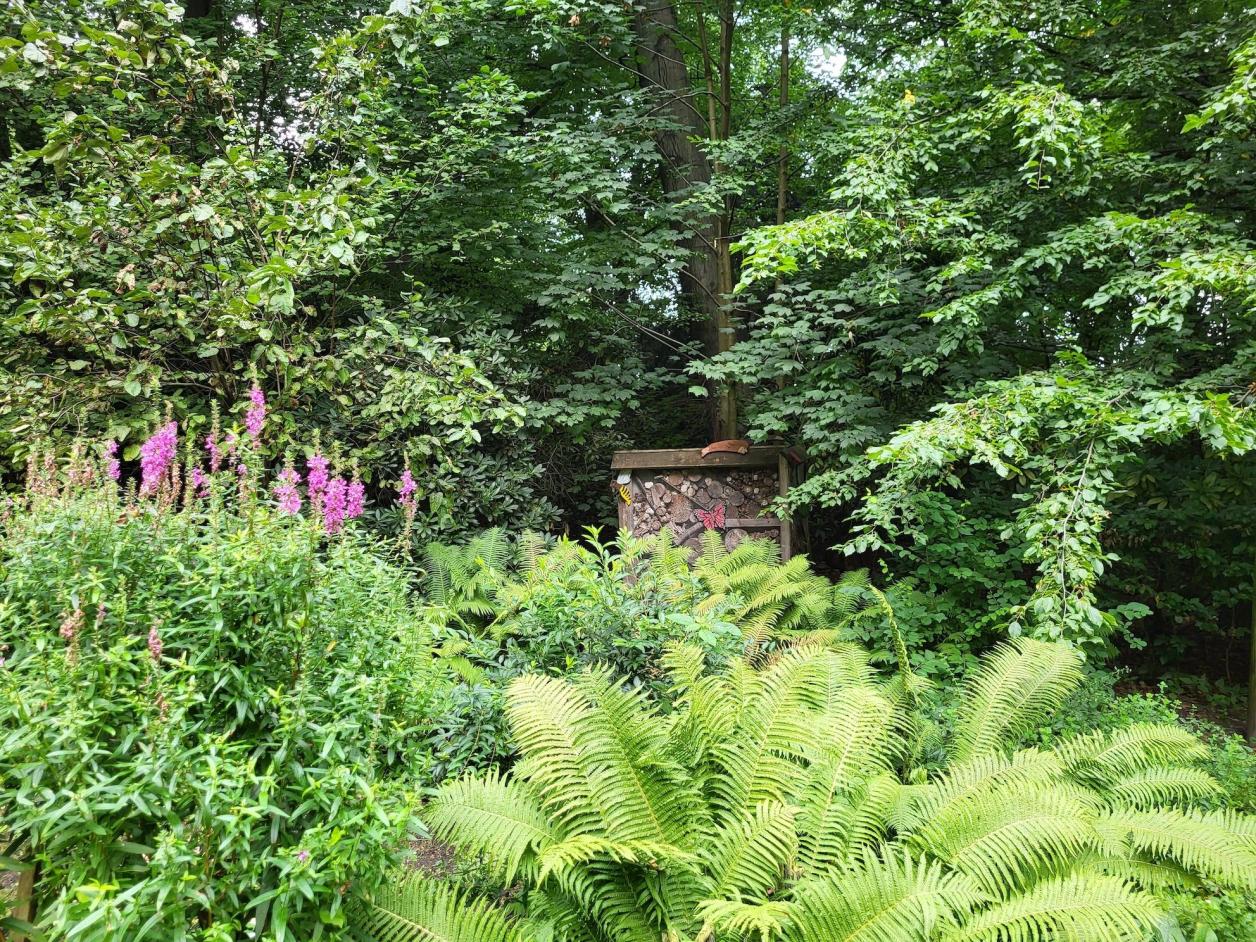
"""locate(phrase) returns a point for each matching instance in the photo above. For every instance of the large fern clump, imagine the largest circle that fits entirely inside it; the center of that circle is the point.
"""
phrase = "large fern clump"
(781, 804)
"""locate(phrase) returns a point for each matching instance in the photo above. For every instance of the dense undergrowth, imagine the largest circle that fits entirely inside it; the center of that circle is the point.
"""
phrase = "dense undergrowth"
(224, 706)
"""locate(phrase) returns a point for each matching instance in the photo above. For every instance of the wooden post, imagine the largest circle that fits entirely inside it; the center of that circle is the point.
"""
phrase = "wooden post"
(25, 902)
(787, 526)
(1251, 670)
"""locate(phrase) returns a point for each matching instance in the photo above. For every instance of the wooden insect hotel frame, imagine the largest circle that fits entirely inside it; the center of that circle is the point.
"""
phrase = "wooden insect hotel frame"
(691, 490)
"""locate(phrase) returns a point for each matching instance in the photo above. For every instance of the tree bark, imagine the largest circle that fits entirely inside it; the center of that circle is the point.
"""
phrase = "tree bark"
(705, 277)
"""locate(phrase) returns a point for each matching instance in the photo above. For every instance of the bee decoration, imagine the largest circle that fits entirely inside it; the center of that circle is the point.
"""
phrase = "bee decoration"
(624, 495)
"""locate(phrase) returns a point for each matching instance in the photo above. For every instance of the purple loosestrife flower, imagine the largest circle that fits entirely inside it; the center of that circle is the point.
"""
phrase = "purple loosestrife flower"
(255, 418)
(156, 454)
(215, 454)
(406, 497)
(72, 624)
(286, 491)
(317, 477)
(155, 647)
(113, 467)
(200, 482)
(335, 505)
(303, 856)
(355, 500)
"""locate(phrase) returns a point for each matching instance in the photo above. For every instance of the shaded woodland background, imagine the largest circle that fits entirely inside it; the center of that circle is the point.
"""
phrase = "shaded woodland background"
(503, 239)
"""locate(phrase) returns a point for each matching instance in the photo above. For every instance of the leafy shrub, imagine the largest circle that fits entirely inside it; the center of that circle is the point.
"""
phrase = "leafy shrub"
(504, 610)
(615, 603)
(782, 804)
(209, 718)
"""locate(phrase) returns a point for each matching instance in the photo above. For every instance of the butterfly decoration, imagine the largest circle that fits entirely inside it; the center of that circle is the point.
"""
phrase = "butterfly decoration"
(624, 495)
(712, 519)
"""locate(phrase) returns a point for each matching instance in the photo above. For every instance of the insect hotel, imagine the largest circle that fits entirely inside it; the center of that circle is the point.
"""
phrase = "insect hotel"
(727, 486)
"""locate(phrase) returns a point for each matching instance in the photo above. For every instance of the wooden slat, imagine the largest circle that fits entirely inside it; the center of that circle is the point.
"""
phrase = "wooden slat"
(759, 456)
(751, 523)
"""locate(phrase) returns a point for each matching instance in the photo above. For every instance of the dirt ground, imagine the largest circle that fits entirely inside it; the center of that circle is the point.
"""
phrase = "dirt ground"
(432, 857)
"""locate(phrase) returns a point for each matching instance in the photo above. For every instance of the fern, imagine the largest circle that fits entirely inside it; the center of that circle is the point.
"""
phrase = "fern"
(463, 581)
(420, 909)
(1076, 907)
(1017, 686)
(765, 597)
(1208, 843)
(893, 899)
(775, 804)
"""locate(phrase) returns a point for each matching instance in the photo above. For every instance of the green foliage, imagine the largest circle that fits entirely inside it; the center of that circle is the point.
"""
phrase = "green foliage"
(1066, 439)
(1002, 190)
(462, 581)
(782, 804)
(211, 719)
(190, 200)
(515, 609)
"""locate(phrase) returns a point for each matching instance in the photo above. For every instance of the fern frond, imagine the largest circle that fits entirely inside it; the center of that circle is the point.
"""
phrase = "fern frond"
(495, 817)
(643, 796)
(1152, 875)
(1102, 758)
(1156, 786)
(564, 857)
(1005, 841)
(765, 920)
(748, 857)
(849, 593)
(461, 666)
(838, 812)
(419, 909)
(531, 548)
(895, 899)
(984, 774)
(546, 716)
(1078, 907)
(761, 757)
(1014, 688)
(835, 826)
(1211, 844)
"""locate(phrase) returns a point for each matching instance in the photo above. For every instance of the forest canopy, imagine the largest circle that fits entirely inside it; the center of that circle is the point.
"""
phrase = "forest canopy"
(989, 263)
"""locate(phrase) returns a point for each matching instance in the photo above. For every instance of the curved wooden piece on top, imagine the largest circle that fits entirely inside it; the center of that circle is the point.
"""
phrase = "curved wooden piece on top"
(732, 446)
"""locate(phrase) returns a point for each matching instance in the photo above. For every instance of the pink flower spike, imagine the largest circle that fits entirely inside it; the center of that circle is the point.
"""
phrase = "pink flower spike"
(215, 454)
(286, 491)
(355, 500)
(113, 467)
(155, 646)
(408, 487)
(156, 454)
(255, 418)
(200, 482)
(72, 624)
(335, 505)
(316, 479)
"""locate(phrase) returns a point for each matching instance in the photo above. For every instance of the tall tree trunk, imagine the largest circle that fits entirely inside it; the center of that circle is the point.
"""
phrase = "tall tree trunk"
(782, 157)
(705, 278)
